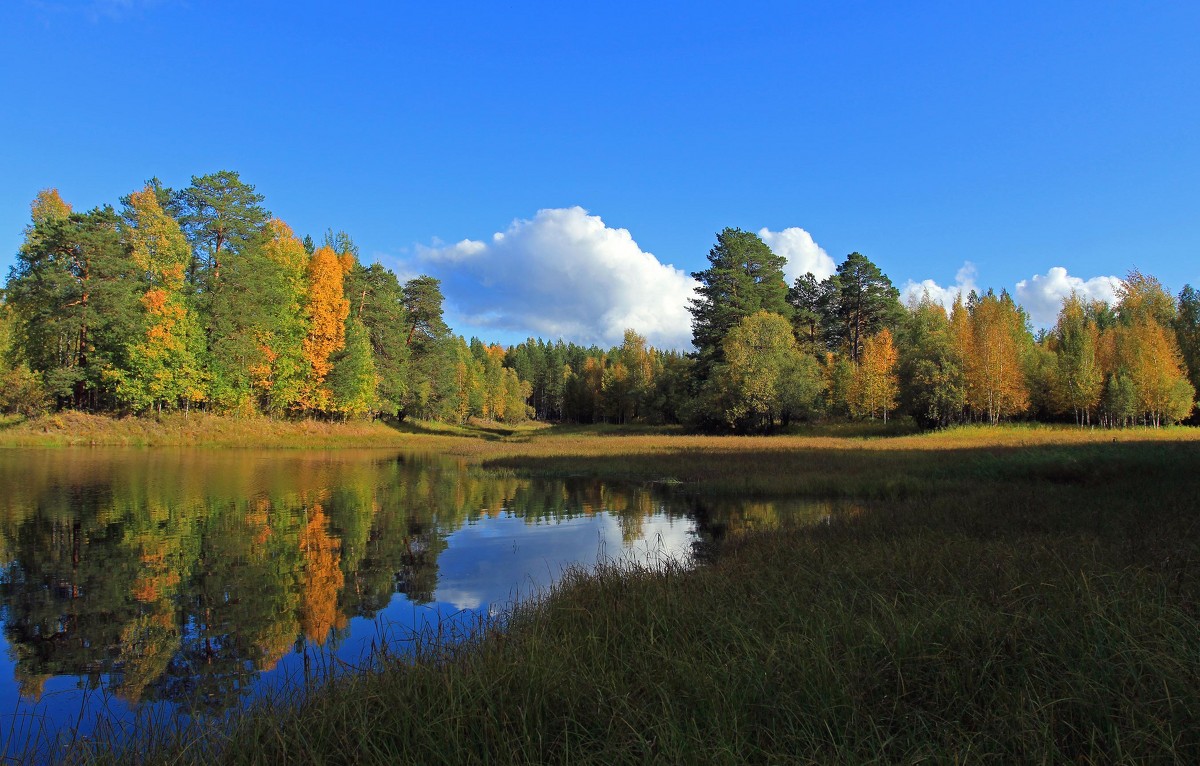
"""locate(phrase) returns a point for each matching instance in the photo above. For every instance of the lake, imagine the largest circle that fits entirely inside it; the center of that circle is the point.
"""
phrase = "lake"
(145, 585)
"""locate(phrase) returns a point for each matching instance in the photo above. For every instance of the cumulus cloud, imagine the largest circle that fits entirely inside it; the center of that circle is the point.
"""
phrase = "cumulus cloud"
(564, 273)
(1042, 295)
(964, 282)
(802, 253)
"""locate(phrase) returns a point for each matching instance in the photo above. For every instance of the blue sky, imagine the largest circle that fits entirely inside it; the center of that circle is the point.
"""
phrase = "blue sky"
(1014, 137)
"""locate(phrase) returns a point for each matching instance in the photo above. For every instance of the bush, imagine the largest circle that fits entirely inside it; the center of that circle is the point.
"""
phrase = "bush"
(22, 393)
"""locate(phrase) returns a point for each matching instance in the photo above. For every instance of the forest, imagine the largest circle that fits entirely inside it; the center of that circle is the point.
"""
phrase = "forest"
(199, 298)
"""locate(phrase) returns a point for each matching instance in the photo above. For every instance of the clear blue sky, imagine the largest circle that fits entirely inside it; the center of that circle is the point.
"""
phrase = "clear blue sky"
(1016, 136)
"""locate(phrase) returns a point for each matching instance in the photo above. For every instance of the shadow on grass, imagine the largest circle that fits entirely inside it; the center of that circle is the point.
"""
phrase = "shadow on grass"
(744, 468)
(488, 433)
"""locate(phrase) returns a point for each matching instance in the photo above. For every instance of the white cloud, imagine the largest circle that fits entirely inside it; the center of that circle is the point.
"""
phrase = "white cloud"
(964, 282)
(1042, 295)
(565, 274)
(802, 253)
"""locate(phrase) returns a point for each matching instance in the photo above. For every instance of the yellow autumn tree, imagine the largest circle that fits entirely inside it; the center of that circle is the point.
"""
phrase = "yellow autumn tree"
(494, 405)
(1149, 380)
(164, 364)
(282, 369)
(327, 312)
(1155, 366)
(875, 386)
(1078, 374)
(48, 205)
(996, 386)
(961, 338)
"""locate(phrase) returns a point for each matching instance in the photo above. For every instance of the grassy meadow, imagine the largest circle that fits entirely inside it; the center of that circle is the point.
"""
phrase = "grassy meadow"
(1022, 594)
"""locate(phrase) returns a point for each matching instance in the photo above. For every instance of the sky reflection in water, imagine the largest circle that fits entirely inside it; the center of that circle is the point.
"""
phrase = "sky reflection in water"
(138, 581)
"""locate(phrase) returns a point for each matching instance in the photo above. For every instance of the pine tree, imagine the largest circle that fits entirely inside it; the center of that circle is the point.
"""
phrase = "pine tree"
(743, 278)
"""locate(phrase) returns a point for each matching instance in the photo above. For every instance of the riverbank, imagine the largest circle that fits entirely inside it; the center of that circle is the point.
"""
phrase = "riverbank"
(1009, 595)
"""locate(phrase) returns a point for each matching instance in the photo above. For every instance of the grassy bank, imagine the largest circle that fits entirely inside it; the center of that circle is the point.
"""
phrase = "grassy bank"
(1008, 596)
(74, 429)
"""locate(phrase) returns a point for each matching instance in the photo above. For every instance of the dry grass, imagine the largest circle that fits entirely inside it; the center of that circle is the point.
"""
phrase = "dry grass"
(73, 429)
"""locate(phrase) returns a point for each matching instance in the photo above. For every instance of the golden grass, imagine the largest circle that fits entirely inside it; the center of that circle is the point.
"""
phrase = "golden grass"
(528, 443)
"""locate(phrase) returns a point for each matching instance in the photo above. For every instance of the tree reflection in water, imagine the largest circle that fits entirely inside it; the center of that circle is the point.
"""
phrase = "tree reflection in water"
(183, 576)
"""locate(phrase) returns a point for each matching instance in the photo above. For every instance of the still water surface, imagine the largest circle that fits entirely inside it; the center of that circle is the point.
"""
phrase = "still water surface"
(138, 583)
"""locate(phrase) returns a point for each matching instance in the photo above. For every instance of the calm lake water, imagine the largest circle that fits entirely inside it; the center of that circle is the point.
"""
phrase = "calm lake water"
(144, 584)
(145, 587)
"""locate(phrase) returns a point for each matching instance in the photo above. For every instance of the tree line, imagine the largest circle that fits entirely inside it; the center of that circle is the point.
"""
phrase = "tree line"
(198, 297)
(768, 354)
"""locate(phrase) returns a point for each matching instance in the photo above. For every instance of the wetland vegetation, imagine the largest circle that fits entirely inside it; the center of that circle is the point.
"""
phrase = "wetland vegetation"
(1020, 594)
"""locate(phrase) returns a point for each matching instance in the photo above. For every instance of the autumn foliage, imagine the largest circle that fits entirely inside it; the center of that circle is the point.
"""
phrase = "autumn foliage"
(200, 298)
(327, 312)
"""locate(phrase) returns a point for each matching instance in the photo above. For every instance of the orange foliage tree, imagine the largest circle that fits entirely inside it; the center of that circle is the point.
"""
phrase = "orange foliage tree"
(327, 312)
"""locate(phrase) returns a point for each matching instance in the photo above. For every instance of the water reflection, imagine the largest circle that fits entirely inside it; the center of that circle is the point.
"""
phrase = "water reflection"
(187, 579)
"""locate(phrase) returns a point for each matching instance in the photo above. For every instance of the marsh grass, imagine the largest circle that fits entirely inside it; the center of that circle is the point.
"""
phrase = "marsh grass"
(980, 595)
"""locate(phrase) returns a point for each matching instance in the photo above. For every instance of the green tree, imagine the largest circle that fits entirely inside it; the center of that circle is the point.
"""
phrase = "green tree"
(164, 366)
(812, 302)
(423, 312)
(352, 380)
(764, 378)
(933, 383)
(1120, 401)
(1079, 377)
(257, 326)
(219, 214)
(377, 300)
(743, 278)
(280, 325)
(432, 369)
(1187, 332)
(862, 301)
(74, 296)
(22, 392)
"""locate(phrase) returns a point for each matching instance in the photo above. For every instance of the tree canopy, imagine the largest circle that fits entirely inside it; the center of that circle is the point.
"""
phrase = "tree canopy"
(199, 299)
